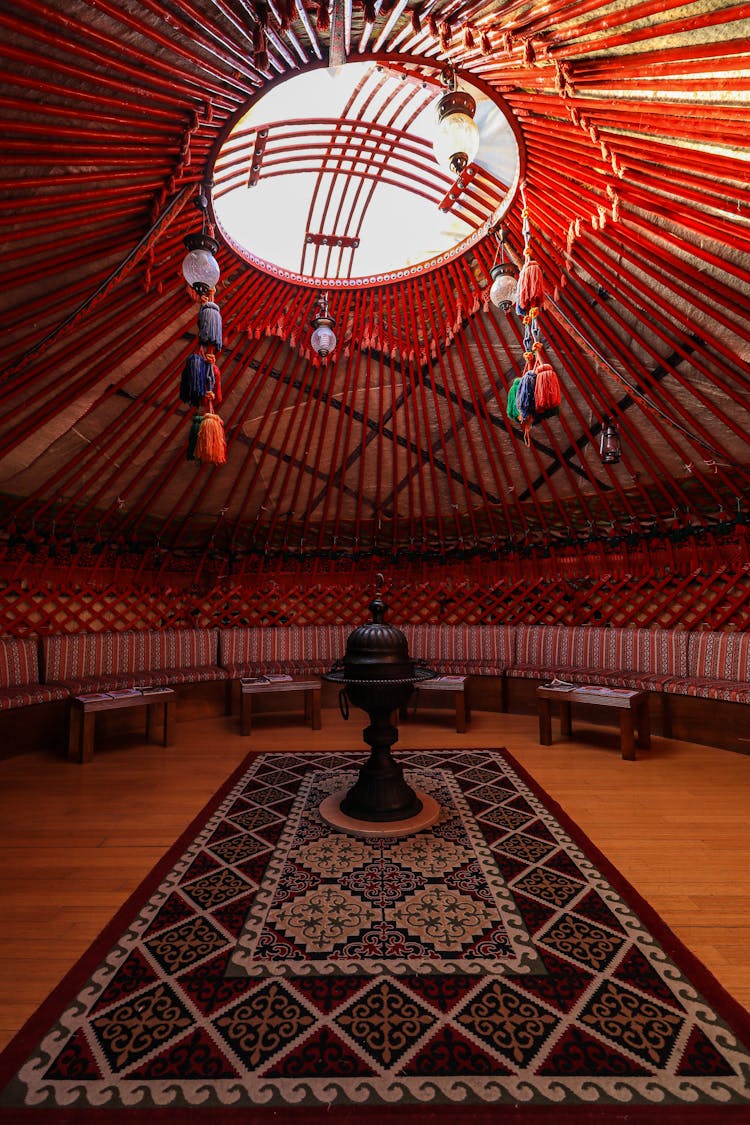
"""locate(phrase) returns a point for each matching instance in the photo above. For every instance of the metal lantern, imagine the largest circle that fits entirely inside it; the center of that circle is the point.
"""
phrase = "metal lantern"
(456, 141)
(610, 449)
(323, 339)
(199, 266)
(504, 285)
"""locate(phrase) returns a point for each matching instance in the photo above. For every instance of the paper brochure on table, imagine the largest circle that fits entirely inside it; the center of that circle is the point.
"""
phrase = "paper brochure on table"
(562, 685)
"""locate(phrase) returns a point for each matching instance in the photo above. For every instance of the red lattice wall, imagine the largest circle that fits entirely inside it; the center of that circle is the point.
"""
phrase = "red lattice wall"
(693, 593)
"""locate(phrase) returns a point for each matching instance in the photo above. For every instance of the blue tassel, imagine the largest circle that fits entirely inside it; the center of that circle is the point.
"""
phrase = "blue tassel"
(525, 396)
(196, 375)
(209, 325)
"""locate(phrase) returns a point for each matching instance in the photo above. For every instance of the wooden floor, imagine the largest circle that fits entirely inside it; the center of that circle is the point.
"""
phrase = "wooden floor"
(76, 840)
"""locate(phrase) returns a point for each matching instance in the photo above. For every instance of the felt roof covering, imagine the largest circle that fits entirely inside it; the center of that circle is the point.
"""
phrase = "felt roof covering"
(632, 119)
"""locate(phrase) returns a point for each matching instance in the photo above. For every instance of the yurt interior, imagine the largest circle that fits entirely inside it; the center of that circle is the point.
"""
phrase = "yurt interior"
(375, 592)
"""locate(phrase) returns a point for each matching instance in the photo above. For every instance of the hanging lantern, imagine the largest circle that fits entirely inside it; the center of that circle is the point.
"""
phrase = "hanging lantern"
(456, 141)
(610, 449)
(199, 266)
(504, 285)
(323, 339)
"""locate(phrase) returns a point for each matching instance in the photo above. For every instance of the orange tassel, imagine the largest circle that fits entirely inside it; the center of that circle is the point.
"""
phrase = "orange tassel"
(530, 285)
(547, 393)
(211, 445)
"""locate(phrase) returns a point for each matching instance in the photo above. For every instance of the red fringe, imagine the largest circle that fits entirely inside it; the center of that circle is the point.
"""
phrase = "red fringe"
(416, 20)
(432, 26)
(323, 21)
(468, 38)
(369, 7)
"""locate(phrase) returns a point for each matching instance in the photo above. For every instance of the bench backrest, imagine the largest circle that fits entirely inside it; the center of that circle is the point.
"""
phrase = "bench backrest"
(19, 661)
(714, 655)
(79, 655)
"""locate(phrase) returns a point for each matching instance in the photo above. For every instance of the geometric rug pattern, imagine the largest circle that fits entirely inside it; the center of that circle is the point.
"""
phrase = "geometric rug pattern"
(490, 960)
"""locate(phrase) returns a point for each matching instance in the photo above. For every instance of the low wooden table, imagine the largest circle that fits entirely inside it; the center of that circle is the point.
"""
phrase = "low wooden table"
(271, 684)
(85, 708)
(456, 686)
(632, 707)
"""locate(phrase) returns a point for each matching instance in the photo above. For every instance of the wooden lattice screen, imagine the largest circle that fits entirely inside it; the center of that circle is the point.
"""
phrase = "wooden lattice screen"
(716, 596)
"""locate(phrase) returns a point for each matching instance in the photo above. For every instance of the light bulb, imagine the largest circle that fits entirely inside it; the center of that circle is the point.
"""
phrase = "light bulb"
(504, 285)
(323, 338)
(199, 266)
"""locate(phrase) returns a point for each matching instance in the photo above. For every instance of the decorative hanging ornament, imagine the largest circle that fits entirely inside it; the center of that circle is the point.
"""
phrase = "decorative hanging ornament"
(199, 267)
(323, 339)
(456, 140)
(504, 278)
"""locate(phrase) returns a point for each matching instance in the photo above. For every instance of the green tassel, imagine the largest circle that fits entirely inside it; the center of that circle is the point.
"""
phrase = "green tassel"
(193, 436)
(512, 410)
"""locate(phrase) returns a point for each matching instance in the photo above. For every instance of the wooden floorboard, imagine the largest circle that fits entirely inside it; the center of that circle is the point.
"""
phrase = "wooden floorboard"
(76, 840)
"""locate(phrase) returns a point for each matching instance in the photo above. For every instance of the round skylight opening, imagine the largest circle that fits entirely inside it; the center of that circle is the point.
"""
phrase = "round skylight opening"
(331, 177)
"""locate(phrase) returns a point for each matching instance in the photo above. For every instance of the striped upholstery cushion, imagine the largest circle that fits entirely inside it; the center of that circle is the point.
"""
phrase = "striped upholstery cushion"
(718, 667)
(99, 661)
(304, 649)
(462, 649)
(719, 656)
(19, 663)
(542, 649)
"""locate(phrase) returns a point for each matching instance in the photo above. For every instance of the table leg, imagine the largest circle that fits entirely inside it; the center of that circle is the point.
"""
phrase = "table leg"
(644, 725)
(566, 725)
(87, 737)
(74, 733)
(545, 723)
(170, 710)
(460, 712)
(316, 723)
(246, 713)
(627, 741)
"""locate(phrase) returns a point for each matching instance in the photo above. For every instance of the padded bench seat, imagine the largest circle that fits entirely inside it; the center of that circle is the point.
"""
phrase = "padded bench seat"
(718, 667)
(283, 649)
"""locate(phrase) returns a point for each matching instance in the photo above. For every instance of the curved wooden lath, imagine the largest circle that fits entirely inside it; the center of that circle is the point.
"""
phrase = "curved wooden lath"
(633, 123)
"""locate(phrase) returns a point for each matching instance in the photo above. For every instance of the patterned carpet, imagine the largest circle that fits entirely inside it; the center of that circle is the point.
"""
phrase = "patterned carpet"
(494, 960)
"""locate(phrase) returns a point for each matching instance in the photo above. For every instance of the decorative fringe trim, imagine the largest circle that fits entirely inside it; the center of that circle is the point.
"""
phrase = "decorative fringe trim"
(286, 14)
(369, 9)
(323, 21)
(211, 445)
(469, 42)
(484, 44)
(416, 19)
(432, 26)
(445, 31)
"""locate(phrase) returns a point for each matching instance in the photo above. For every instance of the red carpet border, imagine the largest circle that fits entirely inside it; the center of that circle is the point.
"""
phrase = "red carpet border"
(272, 965)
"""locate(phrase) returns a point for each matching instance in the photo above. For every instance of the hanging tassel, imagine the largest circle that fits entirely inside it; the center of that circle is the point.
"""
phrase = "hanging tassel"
(323, 21)
(209, 325)
(511, 409)
(525, 403)
(468, 38)
(484, 43)
(445, 31)
(432, 26)
(211, 446)
(195, 379)
(193, 436)
(530, 289)
(416, 19)
(547, 394)
(286, 14)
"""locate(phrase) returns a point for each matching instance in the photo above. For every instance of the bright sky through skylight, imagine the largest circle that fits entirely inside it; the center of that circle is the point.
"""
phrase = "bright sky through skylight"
(348, 155)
